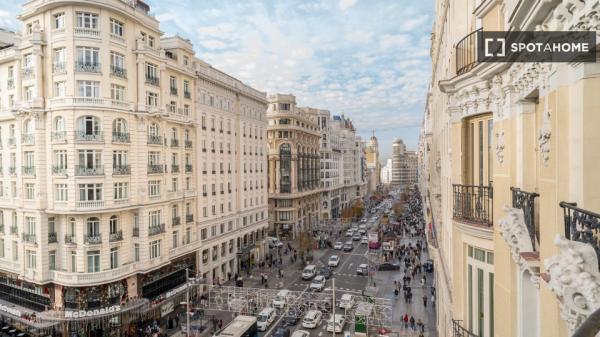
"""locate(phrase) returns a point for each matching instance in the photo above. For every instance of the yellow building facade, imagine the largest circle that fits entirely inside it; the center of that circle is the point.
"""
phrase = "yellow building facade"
(507, 160)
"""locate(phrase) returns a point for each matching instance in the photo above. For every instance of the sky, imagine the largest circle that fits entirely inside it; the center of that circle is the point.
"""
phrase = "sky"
(367, 59)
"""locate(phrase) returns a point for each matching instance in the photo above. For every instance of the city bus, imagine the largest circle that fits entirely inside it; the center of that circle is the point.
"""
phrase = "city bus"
(241, 326)
(373, 240)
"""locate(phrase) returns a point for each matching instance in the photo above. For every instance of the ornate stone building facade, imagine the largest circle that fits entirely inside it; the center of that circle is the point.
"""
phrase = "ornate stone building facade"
(293, 138)
(507, 159)
(373, 164)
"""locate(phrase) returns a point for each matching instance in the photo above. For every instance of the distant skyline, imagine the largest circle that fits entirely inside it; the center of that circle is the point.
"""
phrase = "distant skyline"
(366, 59)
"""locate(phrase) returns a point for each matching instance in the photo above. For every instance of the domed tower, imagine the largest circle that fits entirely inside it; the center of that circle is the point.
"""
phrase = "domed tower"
(373, 165)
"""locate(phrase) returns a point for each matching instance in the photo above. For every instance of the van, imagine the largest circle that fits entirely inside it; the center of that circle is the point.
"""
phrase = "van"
(274, 242)
(312, 319)
(347, 301)
(340, 321)
(266, 318)
(309, 272)
(281, 299)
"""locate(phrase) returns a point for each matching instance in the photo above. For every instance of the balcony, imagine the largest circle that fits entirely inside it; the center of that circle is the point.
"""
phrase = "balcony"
(30, 238)
(156, 229)
(152, 80)
(153, 169)
(114, 237)
(176, 221)
(59, 170)
(88, 67)
(121, 137)
(174, 168)
(27, 139)
(12, 170)
(466, 53)
(189, 218)
(136, 232)
(581, 225)
(94, 239)
(52, 237)
(188, 168)
(10, 84)
(81, 170)
(173, 91)
(155, 140)
(459, 331)
(70, 239)
(526, 202)
(28, 171)
(59, 136)
(473, 204)
(59, 68)
(89, 204)
(12, 141)
(188, 144)
(174, 142)
(27, 73)
(88, 32)
(84, 136)
(118, 72)
(187, 94)
(14, 230)
(121, 170)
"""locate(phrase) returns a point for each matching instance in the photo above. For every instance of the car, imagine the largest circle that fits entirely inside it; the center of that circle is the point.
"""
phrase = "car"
(362, 231)
(281, 331)
(334, 260)
(318, 283)
(290, 320)
(274, 242)
(388, 266)
(301, 333)
(349, 233)
(364, 240)
(362, 226)
(363, 220)
(281, 299)
(336, 323)
(312, 319)
(346, 302)
(348, 247)
(325, 271)
(309, 272)
(356, 237)
(428, 266)
(265, 318)
(362, 269)
(338, 245)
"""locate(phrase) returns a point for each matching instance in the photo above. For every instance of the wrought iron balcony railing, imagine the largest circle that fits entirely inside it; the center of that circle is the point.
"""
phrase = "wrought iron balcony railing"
(121, 170)
(136, 232)
(118, 72)
(12, 170)
(114, 237)
(188, 144)
(156, 229)
(156, 140)
(155, 168)
(174, 142)
(93, 239)
(174, 168)
(189, 218)
(187, 94)
(70, 239)
(459, 331)
(10, 83)
(188, 168)
(466, 53)
(88, 137)
(526, 202)
(59, 136)
(581, 225)
(27, 237)
(82, 170)
(12, 141)
(176, 221)
(152, 80)
(173, 91)
(59, 68)
(121, 137)
(473, 204)
(14, 229)
(28, 170)
(52, 237)
(87, 67)
(60, 170)
(27, 138)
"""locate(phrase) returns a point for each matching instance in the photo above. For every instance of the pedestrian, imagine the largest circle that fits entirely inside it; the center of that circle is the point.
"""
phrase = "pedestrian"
(433, 300)
(425, 301)
(405, 319)
(412, 323)
(220, 324)
(396, 292)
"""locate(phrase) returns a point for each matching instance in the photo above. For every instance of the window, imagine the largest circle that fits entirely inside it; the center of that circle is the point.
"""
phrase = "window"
(28, 93)
(136, 252)
(173, 84)
(90, 159)
(174, 184)
(154, 218)
(151, 71)
(117, 92)
(151, 98)
(28, 61)
(285, 155)
(93, 226)
(186, 86)
(116, 27)
(117, 61)
(51, 259)
(93, 261)
(151, 41)
(89, 125)
(31, 259)
(60, 89)
(175, 239)
(88, 56)
(87, 20)
(59, 21)
(114, 257)
(155, 249)
(203, 234)
(119, 158)
(153, 188)
(60, 192)
(88, 89)
(121, 191)
(186, 60)
(90, 192)
(153, 158)
(60, 57)
(29, 191)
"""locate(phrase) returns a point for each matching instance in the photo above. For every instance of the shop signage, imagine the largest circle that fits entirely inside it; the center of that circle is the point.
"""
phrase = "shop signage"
(175, 291)
(92, 313)
(166, 308)
(10, 310)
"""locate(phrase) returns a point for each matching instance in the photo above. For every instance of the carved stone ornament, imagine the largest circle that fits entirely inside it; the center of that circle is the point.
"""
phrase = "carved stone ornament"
(500, 146)
(574, 279)
(514, 231)
(544, 138)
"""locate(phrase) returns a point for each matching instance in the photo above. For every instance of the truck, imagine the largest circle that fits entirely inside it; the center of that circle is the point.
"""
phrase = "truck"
(373, 240)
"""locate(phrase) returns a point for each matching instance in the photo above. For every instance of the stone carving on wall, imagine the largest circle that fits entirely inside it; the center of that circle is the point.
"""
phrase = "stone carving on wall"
(544, 138)
(500, 146)
(574, 279)
(514, 231)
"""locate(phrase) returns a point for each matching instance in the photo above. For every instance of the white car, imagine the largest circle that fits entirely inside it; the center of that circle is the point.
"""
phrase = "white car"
(349, 233)
(346, 302)
(318, 283)
(338, 245)
(334, 260)
(364, 241)
(340, 321)
(301, 333)
(312, 319)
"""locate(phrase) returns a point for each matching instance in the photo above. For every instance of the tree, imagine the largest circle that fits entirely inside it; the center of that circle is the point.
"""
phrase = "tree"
(305, 245)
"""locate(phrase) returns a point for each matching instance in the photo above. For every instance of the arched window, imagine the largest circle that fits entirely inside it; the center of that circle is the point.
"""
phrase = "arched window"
(93, 226)
(88, 126)
(285, 171)
(28, 127)
(119, 126)
(113, 224)
(186, 135)
(153, 129)
(59, 124)
(174, 134)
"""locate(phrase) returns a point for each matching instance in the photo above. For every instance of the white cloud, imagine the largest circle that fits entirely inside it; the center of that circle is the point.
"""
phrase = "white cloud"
(345, 4)
(393, 41)
(214, 44)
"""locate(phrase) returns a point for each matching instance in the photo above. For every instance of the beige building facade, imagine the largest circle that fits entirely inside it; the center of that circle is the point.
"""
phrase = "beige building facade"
(373, 163)
(506, 169)
(117, 147)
